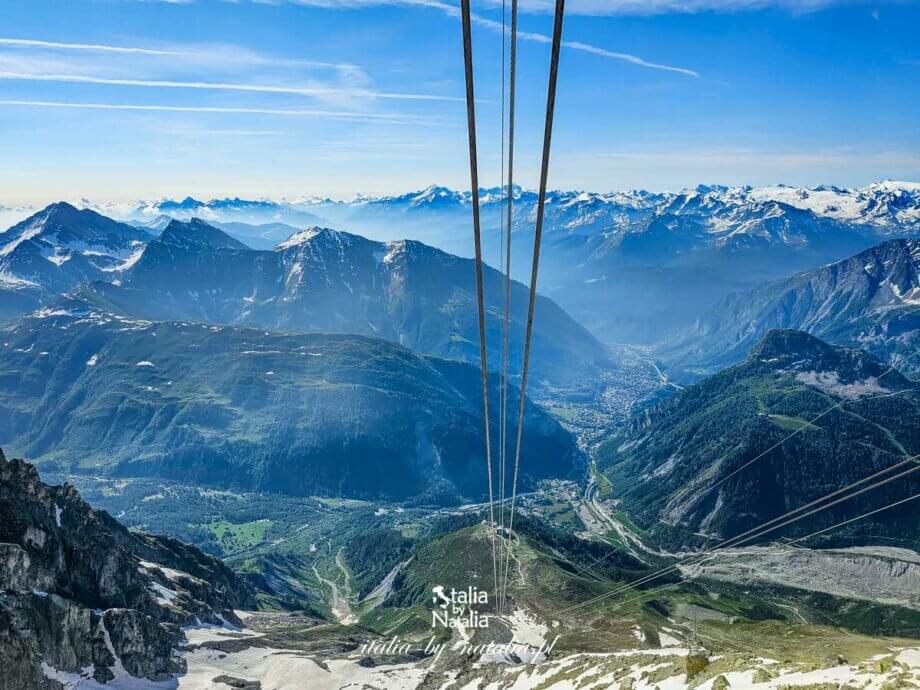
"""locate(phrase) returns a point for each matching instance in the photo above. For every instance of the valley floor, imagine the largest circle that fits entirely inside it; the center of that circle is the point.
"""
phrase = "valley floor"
(769, 617)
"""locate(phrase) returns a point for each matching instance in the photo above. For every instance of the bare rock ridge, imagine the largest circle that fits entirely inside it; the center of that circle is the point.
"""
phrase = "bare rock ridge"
(81, 596)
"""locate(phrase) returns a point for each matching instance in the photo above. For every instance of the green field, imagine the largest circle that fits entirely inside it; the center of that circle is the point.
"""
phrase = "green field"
(237, 536)
(791, 423)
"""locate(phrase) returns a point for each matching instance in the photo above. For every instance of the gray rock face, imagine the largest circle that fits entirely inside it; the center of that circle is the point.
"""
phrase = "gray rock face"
(80, 594)
(880, 574)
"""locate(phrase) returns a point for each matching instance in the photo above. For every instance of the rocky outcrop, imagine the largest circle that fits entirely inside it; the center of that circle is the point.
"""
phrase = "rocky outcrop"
(82, 596)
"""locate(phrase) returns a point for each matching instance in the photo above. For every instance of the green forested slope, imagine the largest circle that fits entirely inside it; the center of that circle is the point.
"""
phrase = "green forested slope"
(677, 468)
(297, 414)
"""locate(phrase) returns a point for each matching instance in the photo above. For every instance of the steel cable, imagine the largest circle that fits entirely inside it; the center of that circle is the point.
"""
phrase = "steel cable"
(474, 181)
(766, 528)
(538, 234)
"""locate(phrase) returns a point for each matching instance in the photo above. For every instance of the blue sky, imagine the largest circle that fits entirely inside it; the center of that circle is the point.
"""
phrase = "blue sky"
(123, 99)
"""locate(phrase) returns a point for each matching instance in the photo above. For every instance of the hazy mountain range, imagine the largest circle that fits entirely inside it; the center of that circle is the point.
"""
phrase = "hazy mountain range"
(306, 402)
(316, 280)
(888, 204)
(870, 300)
(600, 247)
(334, 282)
(91, 273)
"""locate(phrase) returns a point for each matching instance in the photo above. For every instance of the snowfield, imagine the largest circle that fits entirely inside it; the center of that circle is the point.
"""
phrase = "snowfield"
(285, 669)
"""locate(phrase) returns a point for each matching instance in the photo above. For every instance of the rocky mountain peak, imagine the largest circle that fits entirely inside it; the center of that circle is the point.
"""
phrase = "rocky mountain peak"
(317, 235)
(788, 343)
(841, 371)
(62, 246)
(196, 232)
(64, 218)
(61, 209)
(119, 597)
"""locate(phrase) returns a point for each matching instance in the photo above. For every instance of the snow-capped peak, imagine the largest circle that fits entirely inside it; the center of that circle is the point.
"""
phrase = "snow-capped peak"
(299, 238)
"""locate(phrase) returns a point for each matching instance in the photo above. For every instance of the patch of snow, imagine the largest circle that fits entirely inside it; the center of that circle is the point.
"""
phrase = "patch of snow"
(127, 263)
(33, 230)
(8, 280)
(668, 640)
(165, 596)
(275, 669)
(59, 259)
(48, 313)
(528, 640)
(829, 382)
(394, 249)
(299, 238)
(169, 573)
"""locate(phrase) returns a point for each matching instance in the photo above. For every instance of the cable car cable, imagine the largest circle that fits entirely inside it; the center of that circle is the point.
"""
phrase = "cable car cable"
(538, 234)
(474, 180)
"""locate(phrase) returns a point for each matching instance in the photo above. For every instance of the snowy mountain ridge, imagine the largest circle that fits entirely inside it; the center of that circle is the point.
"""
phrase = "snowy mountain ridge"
(882, 203)
(62, 245)
(870, 300)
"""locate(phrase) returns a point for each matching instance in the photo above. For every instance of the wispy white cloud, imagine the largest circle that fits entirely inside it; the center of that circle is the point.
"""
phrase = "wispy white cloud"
(493, 25)
(204, 67)
(233, 54)
(605, 7)
(221, 86)
(653, 7)
(85, 47)
(594, 50)
(383, 118)
(198, 55)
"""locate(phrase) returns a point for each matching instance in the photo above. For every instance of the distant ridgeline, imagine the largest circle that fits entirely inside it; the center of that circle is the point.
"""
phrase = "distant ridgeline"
(140, 365)
(171, 350)
(870, 300)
